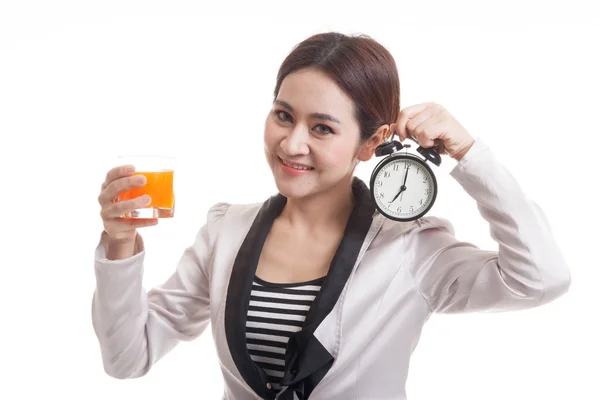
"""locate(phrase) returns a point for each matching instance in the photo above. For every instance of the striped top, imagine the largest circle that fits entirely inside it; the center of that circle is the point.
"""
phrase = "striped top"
(275, 312)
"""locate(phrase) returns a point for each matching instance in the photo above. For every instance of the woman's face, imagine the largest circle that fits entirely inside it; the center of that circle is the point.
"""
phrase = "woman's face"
(311, 135)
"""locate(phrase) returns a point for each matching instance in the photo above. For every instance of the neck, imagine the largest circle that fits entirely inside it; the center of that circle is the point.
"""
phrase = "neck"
(329, 209)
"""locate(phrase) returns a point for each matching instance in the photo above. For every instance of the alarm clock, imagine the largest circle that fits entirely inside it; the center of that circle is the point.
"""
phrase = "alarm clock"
(403, 185)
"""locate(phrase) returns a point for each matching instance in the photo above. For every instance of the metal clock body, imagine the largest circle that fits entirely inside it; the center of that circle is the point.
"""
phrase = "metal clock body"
(403, 186)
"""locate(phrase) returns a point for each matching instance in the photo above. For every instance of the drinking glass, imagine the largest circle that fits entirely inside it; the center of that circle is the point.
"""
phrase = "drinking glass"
(159, 172)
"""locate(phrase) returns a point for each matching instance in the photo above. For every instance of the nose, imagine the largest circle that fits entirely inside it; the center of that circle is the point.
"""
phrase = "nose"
(296, 142)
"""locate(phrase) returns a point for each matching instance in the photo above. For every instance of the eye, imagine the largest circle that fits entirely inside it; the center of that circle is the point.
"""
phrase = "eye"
(326, 130)
(282, 115)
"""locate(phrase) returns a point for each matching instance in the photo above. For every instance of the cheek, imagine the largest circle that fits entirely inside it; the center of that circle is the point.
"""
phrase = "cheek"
(272, 135)
(341, 155)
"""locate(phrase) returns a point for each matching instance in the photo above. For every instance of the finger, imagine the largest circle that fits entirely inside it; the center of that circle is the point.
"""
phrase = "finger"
(142, 223)
(116, 173)
(428, 131)
(391, 131)
(405, 115)
(115, 210)
(125, 224)
(134, 223)
(415, 126)
(114, 188)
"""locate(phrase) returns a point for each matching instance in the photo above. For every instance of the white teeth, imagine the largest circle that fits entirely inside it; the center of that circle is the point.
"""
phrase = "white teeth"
(300, 167)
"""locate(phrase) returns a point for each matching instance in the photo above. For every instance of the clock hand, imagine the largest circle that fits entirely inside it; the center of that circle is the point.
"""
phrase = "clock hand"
(404, 184)
(405, 176)
(402, 188)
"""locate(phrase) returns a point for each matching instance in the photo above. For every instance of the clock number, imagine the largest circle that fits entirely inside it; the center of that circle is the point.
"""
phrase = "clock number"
(421, 202)
(399, 209)
(396, 167)
(386, 174)
(424, 179)
(406, 165)
(380, 183)
(381, 195)
(427, 191)
(411, 209)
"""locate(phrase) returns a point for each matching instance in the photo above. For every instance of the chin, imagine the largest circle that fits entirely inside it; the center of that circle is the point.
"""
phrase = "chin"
(292, 189)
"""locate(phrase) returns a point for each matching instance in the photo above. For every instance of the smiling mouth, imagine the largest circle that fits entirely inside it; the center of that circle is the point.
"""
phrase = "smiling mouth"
(296, 166)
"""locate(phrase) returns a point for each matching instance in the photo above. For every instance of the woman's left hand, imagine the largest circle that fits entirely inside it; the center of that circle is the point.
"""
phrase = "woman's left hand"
(431, 125)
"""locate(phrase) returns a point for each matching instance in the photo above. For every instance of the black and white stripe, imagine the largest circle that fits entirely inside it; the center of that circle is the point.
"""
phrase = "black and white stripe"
(275, 312)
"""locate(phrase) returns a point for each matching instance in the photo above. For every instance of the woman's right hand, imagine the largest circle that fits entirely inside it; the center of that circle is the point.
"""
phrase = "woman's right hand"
(119, 231)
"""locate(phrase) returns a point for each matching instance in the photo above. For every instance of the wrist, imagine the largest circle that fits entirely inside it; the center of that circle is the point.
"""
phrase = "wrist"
(118, 249)
(460, 154)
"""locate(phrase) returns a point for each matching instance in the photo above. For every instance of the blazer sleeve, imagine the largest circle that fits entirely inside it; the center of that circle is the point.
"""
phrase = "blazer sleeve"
(136, 328)
(527, 269)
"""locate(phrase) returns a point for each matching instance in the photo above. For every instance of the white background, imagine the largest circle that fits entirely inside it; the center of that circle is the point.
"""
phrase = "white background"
(82, 81)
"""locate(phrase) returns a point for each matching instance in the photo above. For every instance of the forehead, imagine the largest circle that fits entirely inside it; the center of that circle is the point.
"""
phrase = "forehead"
(312, 91)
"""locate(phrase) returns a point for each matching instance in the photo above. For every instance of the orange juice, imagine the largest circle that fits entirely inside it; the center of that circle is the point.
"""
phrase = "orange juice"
(159, 186)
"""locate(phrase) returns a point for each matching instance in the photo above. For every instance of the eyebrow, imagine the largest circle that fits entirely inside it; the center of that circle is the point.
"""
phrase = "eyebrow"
(313, 115)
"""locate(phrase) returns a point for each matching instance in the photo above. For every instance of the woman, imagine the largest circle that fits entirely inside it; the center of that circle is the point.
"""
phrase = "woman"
(313, 293)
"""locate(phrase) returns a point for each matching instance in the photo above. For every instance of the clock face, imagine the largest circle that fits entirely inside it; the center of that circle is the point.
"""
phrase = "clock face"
(404, 189)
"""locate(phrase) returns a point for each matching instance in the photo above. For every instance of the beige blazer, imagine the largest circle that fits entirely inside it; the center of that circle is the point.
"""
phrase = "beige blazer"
(384, 282)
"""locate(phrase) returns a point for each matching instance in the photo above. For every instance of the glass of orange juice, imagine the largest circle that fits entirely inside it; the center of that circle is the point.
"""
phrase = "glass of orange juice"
(159, 172)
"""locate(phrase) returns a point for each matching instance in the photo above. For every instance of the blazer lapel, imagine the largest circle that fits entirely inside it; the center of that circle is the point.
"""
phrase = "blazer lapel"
(307, 360)
(238, 295)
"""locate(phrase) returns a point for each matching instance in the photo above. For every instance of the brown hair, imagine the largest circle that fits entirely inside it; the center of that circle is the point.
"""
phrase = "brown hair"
(361, 66)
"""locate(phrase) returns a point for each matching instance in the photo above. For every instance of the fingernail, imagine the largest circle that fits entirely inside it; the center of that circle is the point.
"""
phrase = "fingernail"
(145, 199)
(141, 179)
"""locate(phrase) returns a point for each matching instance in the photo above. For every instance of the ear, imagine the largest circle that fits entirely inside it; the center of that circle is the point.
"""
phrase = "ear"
(367, 149)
